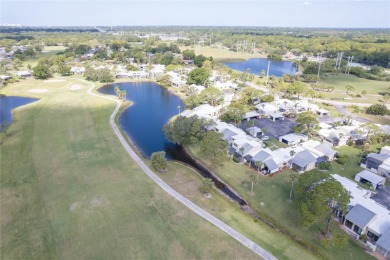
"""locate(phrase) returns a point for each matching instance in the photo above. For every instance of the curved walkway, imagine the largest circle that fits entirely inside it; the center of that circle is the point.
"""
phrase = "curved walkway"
(204, 214)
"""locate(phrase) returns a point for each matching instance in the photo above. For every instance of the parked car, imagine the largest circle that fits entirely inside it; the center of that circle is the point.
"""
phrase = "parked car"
(348, 98)
(265, 138)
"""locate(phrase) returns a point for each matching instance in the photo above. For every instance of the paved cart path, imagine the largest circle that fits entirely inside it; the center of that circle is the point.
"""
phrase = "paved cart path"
(204, 214)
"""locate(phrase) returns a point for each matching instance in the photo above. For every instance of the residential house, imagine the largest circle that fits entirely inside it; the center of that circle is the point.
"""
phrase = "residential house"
(366, 176)
(254, 131)
(303, 161)
(365, 216)
(77, 70)
(24, 74)
(292, 139)
(265, 109)
(374, 160)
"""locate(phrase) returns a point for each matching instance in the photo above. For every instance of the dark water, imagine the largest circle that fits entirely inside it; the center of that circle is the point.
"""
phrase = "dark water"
(256, 65)
(152, 107)
(7, 104)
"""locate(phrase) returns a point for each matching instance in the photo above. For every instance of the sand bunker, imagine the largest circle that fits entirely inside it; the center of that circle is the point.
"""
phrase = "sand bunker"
(53, 80)
(75, 87)
(38, 90)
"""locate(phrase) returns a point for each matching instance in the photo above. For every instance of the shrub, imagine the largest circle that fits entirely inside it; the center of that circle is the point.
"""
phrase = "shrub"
(159, 161)
(341, 161)
(377, 109)
(207, 185)
(325, 166)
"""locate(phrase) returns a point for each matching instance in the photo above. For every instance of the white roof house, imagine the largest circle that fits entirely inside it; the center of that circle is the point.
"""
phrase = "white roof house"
(197, 88)
(77, 70)
(204, 111)
(385, 150)
(292, 139)
(24, 74)
(370, 177)
(228, 85)
(266, 109)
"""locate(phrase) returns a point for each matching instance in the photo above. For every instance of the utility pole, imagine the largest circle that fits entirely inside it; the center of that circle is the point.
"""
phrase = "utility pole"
(319, 64)
(337, 60)
(269, 62)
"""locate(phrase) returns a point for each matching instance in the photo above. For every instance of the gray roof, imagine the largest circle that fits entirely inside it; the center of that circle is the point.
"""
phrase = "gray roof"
(271, 165)
(371, 177)
(304, 158)
(384, 240)
(247, 148)
(378, 156)
(227, 134)
(360, 216)
(326, 149)
(261, 156)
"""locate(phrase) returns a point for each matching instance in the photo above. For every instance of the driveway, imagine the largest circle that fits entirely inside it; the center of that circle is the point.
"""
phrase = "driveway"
(382, 196)
(274, 129)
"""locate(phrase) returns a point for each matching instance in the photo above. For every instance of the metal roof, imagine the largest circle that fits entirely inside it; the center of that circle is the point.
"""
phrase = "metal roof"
(360, 216)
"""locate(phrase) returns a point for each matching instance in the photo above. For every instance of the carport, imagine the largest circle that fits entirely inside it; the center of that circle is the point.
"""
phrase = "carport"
(370, 177)
(276, 116)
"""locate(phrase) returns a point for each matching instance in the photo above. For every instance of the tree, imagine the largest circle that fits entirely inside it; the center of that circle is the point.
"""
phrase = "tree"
(185, 130)
(198, 76)
(179, 108)
(320, 196)
(104, 75)
(207, 185)
(198, 61)
(234, 112)
(293, 177)
(16, 63)
(188, 55)
(64, 70)
(349, 88)
(386, 97)
(252, 178)
(211, 95)
(42, 71)
(159, 162)
(91, 74)
(297, 88)
(307, 122)
(214, 148)
(377, 109)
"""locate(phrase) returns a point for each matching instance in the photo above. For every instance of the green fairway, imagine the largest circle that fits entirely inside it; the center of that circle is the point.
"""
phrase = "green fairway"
(374, 88)
(70, 191)
(271, 199)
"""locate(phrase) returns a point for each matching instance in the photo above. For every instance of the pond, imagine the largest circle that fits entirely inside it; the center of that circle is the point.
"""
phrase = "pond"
(152, 106)
(9, 103)
(256, 65)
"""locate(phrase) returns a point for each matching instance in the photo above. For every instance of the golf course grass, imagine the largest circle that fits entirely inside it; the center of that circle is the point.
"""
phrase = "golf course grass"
(70, 191)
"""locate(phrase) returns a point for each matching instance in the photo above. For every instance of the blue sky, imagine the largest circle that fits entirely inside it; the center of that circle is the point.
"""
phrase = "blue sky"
(291, 13)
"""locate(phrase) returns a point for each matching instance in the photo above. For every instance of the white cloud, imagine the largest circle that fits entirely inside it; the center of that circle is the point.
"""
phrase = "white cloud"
(307, 3)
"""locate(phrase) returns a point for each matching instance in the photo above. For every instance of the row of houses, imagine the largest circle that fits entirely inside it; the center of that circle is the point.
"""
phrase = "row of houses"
(366, 217)
(378, 163)
(285, 106)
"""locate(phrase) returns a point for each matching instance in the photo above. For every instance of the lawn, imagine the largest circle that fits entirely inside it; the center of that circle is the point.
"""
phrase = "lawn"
(187, 182)
(271, 200)
(222, 54)
(384, 120)
(70, 191)
(47, 52)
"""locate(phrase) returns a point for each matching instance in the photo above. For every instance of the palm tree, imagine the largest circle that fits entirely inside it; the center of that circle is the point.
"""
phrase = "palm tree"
(179, 108)
(252, 178)
(293, 177)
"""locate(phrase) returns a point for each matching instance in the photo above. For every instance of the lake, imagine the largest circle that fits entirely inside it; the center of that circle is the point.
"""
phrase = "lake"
(152, 107)
(277, 68)
(7, 104)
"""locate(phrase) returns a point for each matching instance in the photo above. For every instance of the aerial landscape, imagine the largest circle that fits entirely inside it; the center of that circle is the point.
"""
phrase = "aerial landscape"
(196, 129)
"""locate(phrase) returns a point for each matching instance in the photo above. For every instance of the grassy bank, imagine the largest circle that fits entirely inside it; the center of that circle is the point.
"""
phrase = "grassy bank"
(271, 200)
(187, 182)
(70, 191)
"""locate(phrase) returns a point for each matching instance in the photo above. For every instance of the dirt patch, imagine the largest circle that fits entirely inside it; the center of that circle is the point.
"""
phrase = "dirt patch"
(98, 202)
(38, 90)
(53, 80)
(74, 206)
(75, 87)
